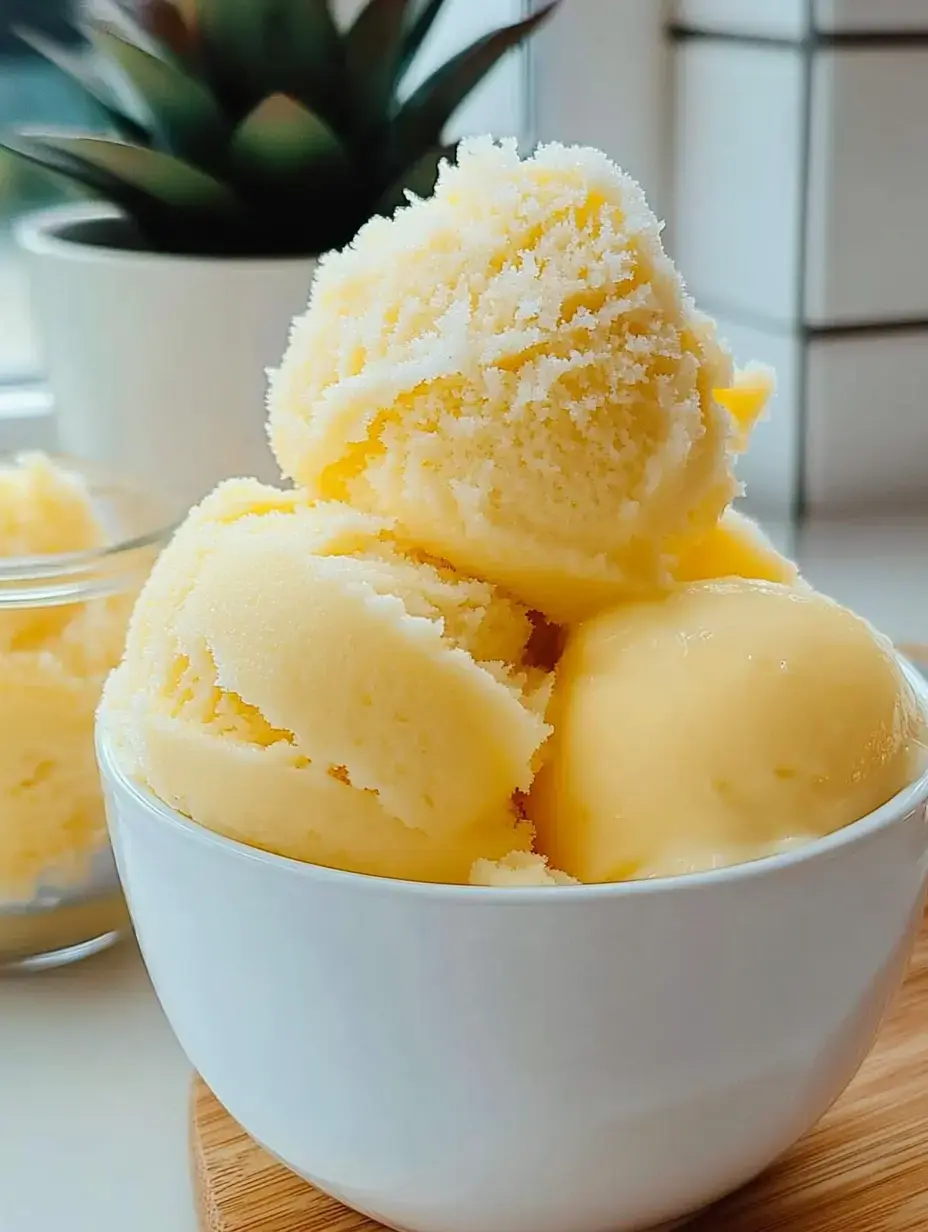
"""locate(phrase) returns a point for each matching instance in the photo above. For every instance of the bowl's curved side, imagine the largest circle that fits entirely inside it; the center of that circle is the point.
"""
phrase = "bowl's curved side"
(486, 1063)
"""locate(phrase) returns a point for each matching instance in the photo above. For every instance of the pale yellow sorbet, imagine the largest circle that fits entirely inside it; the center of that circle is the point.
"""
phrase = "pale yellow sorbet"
(513, 372)
(519, 868)
(724, 722)
(735, 547)
(53, 661)
(296, 679)
(44, 510)
(748, 398)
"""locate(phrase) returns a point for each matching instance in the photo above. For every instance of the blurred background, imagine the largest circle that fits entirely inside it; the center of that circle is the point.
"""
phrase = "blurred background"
(31, 91)
(785, 145)
(607, 84)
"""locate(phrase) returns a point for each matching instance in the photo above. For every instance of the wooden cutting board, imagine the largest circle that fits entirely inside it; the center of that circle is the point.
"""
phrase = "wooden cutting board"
(864, 1168)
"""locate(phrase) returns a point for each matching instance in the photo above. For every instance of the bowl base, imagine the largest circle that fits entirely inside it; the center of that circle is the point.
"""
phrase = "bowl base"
(862, 1165)
(239, 1187)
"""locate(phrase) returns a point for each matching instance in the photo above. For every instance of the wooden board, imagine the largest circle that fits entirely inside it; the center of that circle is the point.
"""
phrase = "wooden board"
(864, 1168)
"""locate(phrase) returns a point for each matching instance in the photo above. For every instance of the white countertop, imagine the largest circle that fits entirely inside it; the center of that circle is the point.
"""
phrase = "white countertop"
(879, 568)
(93, 1087)
(93, 1103)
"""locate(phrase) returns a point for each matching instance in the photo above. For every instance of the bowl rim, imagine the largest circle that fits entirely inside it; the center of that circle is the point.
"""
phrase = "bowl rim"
(893, 810)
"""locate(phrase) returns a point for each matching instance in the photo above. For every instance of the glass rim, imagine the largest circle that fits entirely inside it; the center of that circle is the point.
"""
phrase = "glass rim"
(74, 564)
(41, 576)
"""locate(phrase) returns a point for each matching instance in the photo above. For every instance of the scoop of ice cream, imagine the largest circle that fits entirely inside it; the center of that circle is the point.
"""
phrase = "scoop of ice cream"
(297, 680)
(519, 868)
(735, 547)
(717, 725)
(512, 371)
(53, 661)
(44, 509)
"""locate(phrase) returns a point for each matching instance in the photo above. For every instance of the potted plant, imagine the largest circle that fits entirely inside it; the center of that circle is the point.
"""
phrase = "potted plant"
(246, 137)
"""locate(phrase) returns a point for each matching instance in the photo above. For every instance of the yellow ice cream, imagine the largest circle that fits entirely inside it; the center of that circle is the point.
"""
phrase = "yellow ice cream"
(519, 868)
(510, 429)
(513, 372)
(296, 679)
(747, 399)
(721, 723)
(735, 547)
(44, 510)
(53, 661)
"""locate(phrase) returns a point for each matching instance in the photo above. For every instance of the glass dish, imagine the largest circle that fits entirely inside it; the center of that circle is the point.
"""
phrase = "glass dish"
(62, 623)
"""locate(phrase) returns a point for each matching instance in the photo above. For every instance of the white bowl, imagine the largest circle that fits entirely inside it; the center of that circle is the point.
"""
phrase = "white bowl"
(578, 1059)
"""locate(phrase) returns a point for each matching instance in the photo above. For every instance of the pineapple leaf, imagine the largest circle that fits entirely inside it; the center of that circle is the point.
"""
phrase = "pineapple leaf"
(253, 127)
(419, 123)
(253, 48)
(417, 33)
(59, 164)
(130, 20)
(373, 46)
(165, 23)
(151, 224)
(419, 179)
(84, 73)
(149, 215)
(283, 140)
(183, 113)
(134, 171)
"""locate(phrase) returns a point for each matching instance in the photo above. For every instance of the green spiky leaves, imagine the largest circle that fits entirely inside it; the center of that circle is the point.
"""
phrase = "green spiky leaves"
(257, 127)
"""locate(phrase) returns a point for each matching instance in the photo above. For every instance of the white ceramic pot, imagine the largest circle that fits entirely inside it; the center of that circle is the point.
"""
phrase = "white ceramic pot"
(573, 1059)
(157, 363)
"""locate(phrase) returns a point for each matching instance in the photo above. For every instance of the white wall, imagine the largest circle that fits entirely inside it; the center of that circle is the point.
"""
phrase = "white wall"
(602, 76)
(801, 193)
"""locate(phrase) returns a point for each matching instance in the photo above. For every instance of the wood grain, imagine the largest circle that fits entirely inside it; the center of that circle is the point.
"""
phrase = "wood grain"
(864, 1168)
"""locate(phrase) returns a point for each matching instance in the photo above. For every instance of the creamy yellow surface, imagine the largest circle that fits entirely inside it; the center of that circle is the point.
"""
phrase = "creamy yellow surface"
(513, 371)
(717, 725)
(519, 868)
(747, 399)
(296, 679)
(735, 547)
(44, 510)
(53, 661)
(510, 428)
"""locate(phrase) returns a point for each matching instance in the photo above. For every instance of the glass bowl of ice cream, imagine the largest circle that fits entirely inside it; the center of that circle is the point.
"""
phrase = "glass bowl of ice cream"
(514, 839)
(75, 547)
